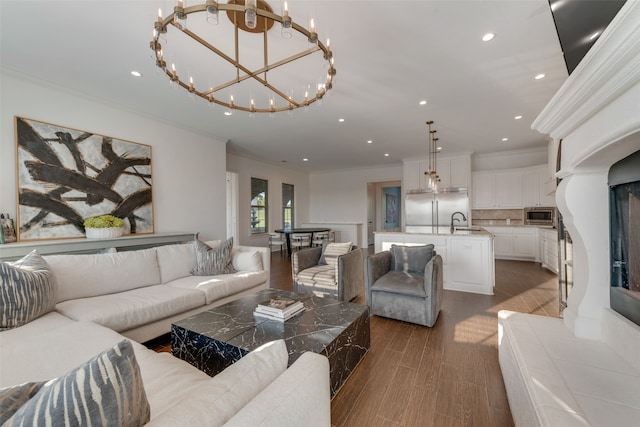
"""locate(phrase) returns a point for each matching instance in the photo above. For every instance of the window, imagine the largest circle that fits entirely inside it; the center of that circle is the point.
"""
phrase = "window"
(287, 206)
(259, 212)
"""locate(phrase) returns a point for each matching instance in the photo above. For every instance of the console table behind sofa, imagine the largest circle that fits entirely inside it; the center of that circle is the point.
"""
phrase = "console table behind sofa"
(13, 251)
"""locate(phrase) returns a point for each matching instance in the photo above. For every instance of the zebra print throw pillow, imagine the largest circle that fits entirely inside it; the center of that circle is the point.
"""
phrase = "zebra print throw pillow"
(213, 261)
(12, 398)
(27, 290)
(105, 391)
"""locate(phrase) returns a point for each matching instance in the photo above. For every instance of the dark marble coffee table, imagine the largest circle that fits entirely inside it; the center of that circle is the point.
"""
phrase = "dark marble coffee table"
(216, 338)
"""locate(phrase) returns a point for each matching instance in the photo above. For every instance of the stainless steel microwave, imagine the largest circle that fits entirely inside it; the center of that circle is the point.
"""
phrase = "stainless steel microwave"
(545, 216)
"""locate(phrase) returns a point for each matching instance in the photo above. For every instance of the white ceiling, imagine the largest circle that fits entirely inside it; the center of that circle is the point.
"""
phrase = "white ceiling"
(389, 55)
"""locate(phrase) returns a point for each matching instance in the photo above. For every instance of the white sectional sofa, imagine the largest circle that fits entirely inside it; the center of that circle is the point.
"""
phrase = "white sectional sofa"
(140, 293)
(102, 299)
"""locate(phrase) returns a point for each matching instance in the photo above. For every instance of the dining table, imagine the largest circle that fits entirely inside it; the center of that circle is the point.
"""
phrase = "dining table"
(289, 231)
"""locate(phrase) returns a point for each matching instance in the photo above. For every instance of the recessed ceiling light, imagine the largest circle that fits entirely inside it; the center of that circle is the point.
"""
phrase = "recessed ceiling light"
(517, 117)
(423, 102)
(488, 37)
(439, 148)
(135, 73)
(540, 76)
(386, 154)
(228, 113)
(341, 120)
(369, 142)
(305, 160)
(505, 139)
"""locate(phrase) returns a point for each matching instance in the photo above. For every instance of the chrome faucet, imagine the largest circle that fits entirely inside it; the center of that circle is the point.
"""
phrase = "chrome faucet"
(464, 218)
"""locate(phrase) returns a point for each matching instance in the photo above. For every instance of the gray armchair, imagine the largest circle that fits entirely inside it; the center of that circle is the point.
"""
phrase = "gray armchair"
(340, 278)
(405, 283)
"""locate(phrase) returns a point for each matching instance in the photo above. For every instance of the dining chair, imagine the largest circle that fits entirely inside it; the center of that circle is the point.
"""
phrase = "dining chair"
(320, 238)
(300, 240)
(275, 240)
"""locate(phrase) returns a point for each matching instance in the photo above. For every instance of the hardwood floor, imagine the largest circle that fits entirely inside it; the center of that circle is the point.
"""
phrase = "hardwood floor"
(447, 375)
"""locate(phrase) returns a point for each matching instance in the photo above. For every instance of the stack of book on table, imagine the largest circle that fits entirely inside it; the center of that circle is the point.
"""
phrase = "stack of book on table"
(279, 308)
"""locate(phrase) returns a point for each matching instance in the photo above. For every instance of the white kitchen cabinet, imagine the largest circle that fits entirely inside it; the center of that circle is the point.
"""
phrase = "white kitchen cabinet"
(453, 172)
(460, 171)
(534, 187)
(517, 243)
(525, 243)
(502, 241)
(411, 175)
(509, 190)
(497, 190)
(549, 249)
(531, 188)
(483, 192)
(466, 261)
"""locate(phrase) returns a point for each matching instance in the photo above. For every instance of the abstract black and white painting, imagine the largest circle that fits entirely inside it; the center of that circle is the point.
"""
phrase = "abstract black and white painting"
(67, 175)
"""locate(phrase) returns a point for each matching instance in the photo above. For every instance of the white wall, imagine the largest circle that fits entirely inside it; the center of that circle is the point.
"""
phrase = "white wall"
(188, 169)
(246, 169)
(341, 196)
(509, 159)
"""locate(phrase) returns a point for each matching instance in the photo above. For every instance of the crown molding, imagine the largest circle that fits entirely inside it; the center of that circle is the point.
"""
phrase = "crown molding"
(611, 67)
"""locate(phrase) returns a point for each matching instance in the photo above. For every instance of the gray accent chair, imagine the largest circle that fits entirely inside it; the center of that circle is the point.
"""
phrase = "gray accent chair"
(405, 283)
(343, 282)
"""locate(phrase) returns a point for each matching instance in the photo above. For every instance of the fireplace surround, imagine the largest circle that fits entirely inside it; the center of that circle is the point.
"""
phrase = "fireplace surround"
(587, 372)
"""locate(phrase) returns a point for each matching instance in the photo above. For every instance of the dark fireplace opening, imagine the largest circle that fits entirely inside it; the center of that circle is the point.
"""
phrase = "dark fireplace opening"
(624, 211)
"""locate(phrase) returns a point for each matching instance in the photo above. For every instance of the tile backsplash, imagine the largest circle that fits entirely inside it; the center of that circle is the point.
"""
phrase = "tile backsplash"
(497, 217)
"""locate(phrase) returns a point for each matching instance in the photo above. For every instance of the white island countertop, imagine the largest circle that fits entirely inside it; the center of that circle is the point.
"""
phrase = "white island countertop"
(442, 231)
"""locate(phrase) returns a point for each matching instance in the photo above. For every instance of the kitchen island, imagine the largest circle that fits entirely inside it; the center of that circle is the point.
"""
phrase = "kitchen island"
(467, 254)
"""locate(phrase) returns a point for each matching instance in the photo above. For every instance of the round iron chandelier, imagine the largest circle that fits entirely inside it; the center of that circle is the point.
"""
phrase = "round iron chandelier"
(238, 67)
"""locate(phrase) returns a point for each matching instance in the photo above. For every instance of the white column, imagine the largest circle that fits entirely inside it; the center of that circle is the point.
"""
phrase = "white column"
(583, 200)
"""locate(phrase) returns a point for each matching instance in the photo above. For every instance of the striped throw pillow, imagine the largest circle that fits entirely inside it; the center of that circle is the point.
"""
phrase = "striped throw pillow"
(12, 398)
(105, 391)
(213, 261)
(331, 252)
(27, 290)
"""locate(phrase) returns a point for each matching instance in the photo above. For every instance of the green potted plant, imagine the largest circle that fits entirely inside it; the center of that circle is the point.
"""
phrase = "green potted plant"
(103, 226)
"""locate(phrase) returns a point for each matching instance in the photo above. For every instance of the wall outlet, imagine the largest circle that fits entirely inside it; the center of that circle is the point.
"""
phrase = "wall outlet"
(508, 221)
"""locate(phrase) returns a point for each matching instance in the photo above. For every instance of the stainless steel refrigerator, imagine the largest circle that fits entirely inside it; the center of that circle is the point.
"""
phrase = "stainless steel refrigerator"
(429, 209)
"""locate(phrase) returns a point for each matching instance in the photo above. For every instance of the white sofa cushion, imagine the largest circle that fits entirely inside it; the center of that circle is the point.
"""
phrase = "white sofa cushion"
(126, 310)
(306, 383)
(40, 355)
(175, 261)
(82, 276)
(246, 259)
(222, 285)
(220, 398)
(42, 324)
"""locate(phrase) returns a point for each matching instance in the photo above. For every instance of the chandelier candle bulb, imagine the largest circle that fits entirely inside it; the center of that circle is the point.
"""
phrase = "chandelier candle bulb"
(250, 17)
(179, 17)
(313, 36)
(285, 31)
(212, 12)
